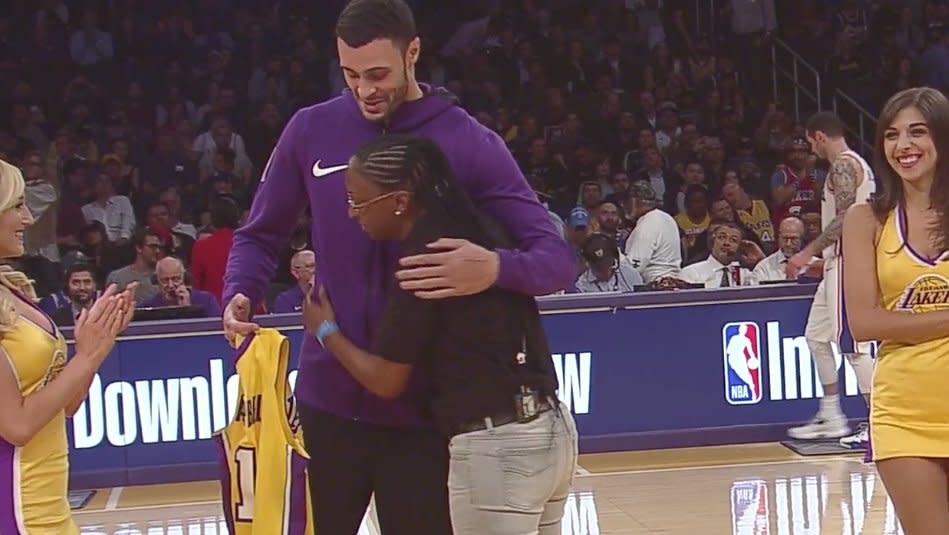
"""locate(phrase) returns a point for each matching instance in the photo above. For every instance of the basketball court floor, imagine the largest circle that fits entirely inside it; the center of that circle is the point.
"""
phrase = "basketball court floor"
(760, 489)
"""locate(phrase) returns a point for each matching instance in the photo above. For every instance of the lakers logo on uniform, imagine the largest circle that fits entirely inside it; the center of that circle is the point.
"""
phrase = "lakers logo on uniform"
(56, 365)
(927, 293)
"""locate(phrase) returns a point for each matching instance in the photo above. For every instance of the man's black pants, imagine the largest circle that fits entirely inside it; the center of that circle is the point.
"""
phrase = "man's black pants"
(349, 461)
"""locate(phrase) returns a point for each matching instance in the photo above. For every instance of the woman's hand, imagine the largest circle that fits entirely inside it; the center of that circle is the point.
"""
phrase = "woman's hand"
(128, 305)
(98, 326)
(316, 312)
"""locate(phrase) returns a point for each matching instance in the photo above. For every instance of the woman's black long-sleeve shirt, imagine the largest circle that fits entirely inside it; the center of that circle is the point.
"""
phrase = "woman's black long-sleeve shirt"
(465, 347)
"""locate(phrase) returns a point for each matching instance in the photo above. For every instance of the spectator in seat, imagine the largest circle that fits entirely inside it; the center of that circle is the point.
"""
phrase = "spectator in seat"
(171, 198)
(225, 161)
(620, 184)
(99, 251)
(113, 211)
(75, 192)
(590, 197)
(612, 224)
(719, 212)
(176, 244)
(148, 249)
(174, 291)
(695, 219)
(609, 271)
(89, 46)
(811, 217)
(220, 135)
(303, 269)
(41, 199)
(662, 179)
(169, 166)
(752, 213)
(668, 133)
(790, 241)
(578, 228)
(81, 291)
(653, 247)
(41, 252)
(209, 256)
(694, 176)
(797, 183)
(717, 271)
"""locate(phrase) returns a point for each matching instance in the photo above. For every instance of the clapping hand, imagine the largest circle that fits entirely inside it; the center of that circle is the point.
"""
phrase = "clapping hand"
(98, 326)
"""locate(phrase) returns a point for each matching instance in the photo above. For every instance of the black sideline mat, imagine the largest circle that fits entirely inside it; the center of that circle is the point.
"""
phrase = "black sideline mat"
(79, 498)
(813, 448)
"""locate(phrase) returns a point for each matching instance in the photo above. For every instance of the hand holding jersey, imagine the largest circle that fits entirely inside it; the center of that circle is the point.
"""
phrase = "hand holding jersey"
(264, 488)
(237, 319)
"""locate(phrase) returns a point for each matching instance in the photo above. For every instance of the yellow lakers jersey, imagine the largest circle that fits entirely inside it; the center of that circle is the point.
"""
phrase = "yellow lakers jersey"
(264, 482)
(690, 229)
(33, 498)
(758, 220)
(909, 411)
(910, 283)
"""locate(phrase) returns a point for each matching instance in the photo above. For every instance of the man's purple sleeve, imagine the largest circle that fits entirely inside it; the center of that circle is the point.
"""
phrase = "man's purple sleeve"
(281, 197)
(543, 262)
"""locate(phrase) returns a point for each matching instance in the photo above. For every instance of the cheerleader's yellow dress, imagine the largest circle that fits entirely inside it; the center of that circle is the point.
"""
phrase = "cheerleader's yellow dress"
(34, 477)
(909, 416)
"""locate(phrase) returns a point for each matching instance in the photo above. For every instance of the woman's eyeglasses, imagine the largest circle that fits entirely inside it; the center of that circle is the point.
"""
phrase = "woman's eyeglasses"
(355, 207)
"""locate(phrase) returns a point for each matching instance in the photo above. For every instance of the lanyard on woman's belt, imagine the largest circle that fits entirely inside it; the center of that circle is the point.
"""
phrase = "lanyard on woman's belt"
(525, 401)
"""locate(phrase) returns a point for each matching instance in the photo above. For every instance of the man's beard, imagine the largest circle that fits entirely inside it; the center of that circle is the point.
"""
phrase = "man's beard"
(396, 98)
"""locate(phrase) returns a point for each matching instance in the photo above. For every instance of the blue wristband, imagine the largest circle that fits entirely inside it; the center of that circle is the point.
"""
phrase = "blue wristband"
(325, 329)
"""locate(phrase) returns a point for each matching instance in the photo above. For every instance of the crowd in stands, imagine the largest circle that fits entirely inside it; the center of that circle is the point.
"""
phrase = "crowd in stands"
(872, 49)
(141, 128)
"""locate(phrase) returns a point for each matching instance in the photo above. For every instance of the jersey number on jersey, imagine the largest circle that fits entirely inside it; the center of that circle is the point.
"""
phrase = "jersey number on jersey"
(246, 460)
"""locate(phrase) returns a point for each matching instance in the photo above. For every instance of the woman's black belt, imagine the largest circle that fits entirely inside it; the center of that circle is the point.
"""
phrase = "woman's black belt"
(503, 418)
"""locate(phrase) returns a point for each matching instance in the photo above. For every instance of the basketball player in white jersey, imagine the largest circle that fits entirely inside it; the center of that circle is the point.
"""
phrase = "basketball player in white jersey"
(849, 182)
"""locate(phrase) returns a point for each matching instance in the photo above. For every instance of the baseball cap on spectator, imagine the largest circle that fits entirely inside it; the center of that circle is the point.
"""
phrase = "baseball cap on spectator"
(579, 217)
(643, 191)
(668, 106)
(599, 249)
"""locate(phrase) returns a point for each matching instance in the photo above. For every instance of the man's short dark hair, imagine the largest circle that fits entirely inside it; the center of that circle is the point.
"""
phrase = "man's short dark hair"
(138, 237)
(364, 21)
(825, 122)
(696, 189)
(80, 267)
(225, 213)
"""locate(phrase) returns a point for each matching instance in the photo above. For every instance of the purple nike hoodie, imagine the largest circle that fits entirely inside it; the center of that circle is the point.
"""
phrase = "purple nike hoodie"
(307, 167)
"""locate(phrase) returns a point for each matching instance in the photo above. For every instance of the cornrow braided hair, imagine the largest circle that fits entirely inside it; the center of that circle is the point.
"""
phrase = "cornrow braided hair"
(417, 164)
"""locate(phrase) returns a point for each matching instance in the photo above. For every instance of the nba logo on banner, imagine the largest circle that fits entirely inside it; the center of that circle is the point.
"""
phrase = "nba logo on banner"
(741, 349)
(750, 508)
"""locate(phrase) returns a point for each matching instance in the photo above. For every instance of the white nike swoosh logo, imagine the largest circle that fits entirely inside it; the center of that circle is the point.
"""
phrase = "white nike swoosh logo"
(320, 172)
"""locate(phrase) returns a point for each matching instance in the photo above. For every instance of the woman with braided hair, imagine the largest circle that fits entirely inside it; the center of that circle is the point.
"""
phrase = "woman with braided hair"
(39, 388)
(490, 384)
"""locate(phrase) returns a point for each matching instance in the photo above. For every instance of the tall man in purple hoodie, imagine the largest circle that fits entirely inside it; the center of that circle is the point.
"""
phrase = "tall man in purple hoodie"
(361, 444)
